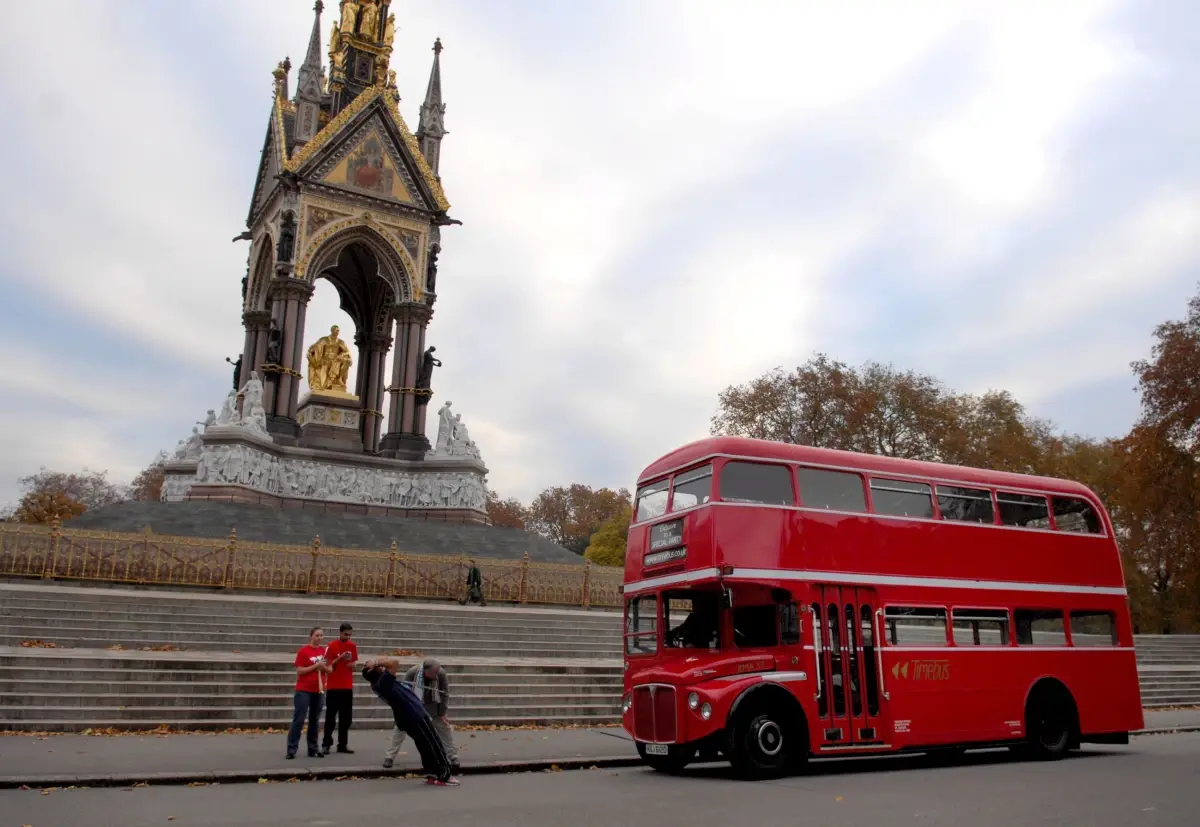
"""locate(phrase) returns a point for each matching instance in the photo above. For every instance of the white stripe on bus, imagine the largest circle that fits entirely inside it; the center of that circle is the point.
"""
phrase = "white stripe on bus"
(855, 578)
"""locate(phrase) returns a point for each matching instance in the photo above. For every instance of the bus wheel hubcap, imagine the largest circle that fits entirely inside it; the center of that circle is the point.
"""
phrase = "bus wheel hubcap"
(770, 739)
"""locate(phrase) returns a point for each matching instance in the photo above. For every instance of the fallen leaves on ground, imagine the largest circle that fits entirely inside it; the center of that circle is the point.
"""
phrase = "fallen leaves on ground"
(117, 647)
(554, 768)
(407, 653)
(161, 647)
(37, 644)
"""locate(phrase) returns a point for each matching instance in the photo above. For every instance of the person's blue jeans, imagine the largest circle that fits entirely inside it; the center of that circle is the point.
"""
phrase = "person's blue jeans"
(305, 705)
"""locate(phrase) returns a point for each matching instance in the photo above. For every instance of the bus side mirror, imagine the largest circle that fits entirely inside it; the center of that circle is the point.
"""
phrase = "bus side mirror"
(727, 597)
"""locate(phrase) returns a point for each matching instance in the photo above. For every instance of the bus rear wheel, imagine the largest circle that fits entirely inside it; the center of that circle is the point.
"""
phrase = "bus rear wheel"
(677, 758)
(762, 745)
(1050, 723)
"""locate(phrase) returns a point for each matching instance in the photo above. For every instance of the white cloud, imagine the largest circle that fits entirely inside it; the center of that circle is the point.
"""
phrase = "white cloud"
(615, 268)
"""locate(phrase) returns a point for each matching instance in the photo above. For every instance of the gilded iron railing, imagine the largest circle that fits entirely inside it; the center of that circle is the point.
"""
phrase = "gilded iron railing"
(56, 553)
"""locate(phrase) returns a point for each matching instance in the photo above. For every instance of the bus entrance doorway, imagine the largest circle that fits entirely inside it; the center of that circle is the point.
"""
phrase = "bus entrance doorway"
(850, 698)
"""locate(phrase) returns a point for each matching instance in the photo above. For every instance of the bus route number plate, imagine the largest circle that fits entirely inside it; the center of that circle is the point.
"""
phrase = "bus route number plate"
(656, 749)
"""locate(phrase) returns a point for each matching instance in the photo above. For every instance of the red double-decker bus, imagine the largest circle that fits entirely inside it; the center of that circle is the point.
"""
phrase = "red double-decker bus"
(785, 602)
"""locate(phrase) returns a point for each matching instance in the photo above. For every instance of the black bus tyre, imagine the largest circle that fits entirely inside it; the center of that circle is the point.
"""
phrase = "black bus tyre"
(1050, 724)
(676, 759)
(762, 744)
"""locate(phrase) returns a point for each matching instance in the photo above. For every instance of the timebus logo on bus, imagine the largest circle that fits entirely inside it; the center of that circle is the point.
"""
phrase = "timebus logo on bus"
(923, 670)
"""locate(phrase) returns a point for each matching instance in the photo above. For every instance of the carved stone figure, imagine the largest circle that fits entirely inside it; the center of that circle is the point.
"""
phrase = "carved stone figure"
(349, 16)
(445, 429)
(329, 363)
(428, 362)
(274, 344)
(254, 415)
(211, 419)
(368, 25)
(229, 412)
(287, 238)
(195, 445)
(431, 269)
(389, 30)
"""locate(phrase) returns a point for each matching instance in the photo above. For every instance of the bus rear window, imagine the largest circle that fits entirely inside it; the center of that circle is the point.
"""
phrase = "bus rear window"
(1023, 510)
(756, 482)
(1093, 629)
(1075, 515)
(692, 488)
(652, 501)
(900, 498)
(966, 505)
(1040, 627)
(834, 490)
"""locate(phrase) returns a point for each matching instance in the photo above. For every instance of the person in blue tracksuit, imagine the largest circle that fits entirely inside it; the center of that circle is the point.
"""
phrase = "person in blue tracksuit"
(410, 716)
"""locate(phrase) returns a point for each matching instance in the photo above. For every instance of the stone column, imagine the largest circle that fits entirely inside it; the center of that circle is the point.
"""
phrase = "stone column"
(375, 360)
(256, 323)
(289, 301)
(406, 436)
(298, 353)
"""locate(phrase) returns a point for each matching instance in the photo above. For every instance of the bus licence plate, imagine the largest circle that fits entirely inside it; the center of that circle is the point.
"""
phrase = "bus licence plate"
(656, 749)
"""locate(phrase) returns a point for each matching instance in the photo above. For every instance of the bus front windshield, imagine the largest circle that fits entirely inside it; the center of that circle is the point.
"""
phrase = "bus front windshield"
(690, 620)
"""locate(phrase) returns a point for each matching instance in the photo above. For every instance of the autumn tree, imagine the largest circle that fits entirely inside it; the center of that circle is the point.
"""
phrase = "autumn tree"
(509, 513)
(607, 545)
(570, 515)
(147, 485)
(46, 506)
(92, 489)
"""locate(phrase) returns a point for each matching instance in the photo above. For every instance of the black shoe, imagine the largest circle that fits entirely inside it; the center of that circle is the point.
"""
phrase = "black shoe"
(387, 763)
(346, 750)
(291, 755)
(317, 754)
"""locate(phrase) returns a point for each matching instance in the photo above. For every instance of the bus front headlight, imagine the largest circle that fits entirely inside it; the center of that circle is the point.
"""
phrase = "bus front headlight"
(706, 711)
(693, 701)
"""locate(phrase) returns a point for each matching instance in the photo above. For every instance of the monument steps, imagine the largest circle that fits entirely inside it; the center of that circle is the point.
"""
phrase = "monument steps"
(298, 526)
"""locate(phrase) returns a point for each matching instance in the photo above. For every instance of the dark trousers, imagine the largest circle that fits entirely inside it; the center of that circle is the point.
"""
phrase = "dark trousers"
(339, 712)
(434, 760)
(305, 705)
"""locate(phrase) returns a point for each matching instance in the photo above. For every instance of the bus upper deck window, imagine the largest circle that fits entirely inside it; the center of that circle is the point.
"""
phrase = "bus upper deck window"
(652, 500)
(692, 487)
(756, 482)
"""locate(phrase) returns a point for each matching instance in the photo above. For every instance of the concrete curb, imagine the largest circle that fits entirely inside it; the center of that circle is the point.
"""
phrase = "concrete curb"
(279, 775)
(333, 773)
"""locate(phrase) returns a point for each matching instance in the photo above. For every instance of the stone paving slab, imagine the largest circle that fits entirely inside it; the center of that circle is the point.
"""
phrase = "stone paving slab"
(100, 759)
(72, 759)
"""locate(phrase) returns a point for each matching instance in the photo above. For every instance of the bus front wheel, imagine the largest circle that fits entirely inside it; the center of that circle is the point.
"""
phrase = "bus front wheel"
(677, 758)
(762, 744)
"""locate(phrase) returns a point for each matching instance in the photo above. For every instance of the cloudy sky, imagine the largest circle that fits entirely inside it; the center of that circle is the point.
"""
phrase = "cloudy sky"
(658, 199)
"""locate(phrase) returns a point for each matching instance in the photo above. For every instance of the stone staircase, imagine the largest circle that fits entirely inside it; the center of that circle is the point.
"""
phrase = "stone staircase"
(130, 658)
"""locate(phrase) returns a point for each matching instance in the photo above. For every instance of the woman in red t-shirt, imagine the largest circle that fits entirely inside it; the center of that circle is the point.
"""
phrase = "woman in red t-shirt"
(311, 668)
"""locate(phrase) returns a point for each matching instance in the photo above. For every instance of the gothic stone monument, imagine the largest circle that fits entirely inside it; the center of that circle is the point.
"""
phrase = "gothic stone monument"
(345, 192)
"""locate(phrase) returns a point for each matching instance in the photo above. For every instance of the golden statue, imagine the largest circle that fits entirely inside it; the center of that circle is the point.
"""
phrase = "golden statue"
(329, 364)
(335, 41)
(349, 15)
(369, 28)
(389, 30)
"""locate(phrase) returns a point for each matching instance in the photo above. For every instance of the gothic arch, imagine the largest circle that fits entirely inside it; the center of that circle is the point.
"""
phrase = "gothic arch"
(262, 264)
(396, 266)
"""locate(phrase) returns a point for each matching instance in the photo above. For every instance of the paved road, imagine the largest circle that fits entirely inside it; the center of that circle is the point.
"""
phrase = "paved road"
(1150, 783)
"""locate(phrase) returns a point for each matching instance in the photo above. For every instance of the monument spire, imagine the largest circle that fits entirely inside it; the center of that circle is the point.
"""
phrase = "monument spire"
(432, 127)
(310, 83)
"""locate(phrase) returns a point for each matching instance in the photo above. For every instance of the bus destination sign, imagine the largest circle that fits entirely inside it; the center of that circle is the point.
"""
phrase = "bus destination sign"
(666, 535)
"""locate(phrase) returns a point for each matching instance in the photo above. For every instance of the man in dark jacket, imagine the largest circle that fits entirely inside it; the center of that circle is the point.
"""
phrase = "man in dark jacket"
(429, 683)
(474, 586)
(410, 716)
